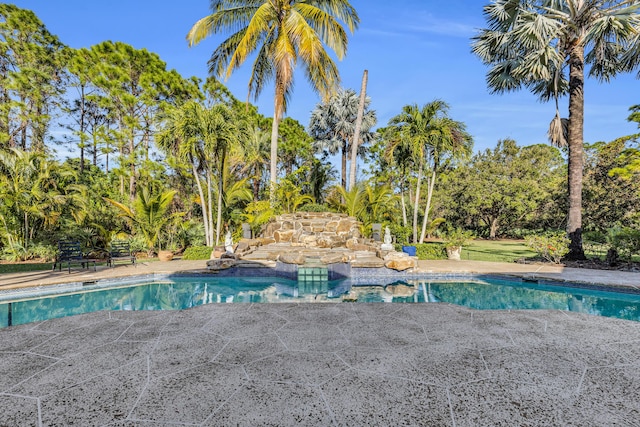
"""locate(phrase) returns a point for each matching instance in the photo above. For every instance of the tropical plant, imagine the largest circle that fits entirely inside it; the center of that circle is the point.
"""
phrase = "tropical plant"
(351, 202)
(257, 214)
(149, 215)
(282, 32)
(289, 197)
(532, 43)
(30, 200)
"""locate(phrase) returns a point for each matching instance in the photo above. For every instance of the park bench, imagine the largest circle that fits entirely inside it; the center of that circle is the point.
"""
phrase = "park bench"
(70, 252)
(121, 251)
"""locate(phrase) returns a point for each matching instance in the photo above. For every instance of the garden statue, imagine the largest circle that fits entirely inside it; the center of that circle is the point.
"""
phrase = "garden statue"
(387, 246)
(228, 242)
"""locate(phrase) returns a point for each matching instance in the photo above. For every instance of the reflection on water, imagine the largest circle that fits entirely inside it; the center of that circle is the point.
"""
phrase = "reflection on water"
(191, 292)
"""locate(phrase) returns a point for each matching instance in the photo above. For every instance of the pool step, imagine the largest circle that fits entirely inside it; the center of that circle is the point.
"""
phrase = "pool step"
(314, 273)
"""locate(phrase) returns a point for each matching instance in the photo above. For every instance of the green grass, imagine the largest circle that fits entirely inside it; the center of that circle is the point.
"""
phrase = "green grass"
(24, 267)
(497, 250)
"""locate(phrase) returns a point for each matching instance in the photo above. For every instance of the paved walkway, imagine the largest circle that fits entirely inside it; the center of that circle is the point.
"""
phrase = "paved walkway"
(322, 364)
(531, 271)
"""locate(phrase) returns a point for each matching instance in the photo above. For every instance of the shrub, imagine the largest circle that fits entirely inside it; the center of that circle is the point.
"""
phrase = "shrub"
(197, 253)
(315, 207)
(427, 250)
(137, 244)
(401, 233)
(456, 238)
(551, 247)
(17, 252)
(625, 240)
(44, 252)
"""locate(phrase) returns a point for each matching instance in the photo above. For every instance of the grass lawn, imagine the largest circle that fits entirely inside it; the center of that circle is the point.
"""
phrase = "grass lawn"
(24, 267)
(496, 250)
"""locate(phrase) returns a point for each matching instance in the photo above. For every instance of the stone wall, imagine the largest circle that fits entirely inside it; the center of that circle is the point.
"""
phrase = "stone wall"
(319, 229)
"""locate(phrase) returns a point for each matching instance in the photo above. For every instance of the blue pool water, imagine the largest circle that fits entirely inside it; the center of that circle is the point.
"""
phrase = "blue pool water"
(182, 293)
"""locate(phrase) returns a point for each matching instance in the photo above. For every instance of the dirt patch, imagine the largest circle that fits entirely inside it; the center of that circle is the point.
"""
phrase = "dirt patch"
(603, 265)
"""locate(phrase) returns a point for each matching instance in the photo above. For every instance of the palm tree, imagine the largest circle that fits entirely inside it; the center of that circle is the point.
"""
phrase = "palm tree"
(413, 131)
(281, 32)
(256, 152)
(181, 136)
(333, 124)
(203, 137)
(531, 43)
(449, 142)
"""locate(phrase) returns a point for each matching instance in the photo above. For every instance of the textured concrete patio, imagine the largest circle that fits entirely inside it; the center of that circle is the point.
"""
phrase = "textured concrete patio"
(322, 364)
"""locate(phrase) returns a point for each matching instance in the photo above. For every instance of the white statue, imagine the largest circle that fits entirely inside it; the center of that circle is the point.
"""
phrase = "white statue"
(387, 236)
(387, 246)
(228, 242)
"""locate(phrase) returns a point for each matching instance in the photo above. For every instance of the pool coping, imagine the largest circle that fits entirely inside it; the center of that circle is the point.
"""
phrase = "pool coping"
(382, 277)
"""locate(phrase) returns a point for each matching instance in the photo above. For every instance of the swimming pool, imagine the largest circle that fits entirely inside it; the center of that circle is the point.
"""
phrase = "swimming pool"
(185, 292)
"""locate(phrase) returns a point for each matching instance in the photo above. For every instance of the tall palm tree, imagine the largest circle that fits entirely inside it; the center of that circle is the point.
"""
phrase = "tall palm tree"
(333, 124)
(256, 153)
(449, 142)
(532, 43)
(413, 131)
(203, 136)
(281, 32)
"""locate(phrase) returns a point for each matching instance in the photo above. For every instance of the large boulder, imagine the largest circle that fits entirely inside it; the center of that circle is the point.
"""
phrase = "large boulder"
(221, 264)
(399, 261)
(292, 258)
(333, 258)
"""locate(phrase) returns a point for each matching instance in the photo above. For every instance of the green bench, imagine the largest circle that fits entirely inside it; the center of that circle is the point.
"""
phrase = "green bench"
(120, 251)
(70, 252)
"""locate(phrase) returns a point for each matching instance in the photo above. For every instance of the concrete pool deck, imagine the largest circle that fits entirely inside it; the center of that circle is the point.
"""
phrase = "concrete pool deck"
(529, 271)
(322, 364)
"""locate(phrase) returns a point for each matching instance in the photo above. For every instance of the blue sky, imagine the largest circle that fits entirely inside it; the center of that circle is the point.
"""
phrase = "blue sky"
(415, 50)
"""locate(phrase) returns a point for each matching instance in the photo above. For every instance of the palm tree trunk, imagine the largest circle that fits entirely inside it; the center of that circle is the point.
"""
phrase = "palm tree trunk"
(430, 185)
(344, 164)
(404, 208)
(210, 202)
(416, 204)
(273, 161)
(356, 132)
(203, 204)
(575, 141)
(256, 189)
(273, 170)
(220, 189)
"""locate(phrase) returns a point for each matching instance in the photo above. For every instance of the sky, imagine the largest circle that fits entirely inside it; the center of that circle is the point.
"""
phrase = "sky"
(415, 51)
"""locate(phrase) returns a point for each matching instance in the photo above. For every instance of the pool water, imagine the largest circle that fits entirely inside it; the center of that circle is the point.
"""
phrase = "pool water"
(182, 293)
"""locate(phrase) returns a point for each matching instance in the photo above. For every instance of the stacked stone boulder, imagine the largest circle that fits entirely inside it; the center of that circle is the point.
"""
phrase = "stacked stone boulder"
(313, 229)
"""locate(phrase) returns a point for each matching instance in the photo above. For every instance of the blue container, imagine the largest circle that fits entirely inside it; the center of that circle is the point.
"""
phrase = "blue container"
(411, 250)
